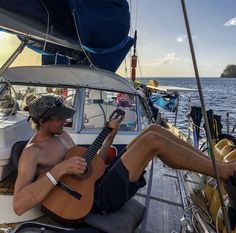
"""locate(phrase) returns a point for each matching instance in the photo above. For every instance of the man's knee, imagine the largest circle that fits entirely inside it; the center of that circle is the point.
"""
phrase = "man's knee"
(153, 127)
(150, 138)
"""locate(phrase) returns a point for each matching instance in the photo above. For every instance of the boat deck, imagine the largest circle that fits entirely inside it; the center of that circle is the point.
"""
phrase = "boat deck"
(165, 208)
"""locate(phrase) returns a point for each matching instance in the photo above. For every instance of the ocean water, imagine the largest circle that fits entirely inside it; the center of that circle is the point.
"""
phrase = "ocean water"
(219, 95)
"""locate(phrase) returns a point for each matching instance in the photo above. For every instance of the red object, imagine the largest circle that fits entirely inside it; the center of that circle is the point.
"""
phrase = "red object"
(123, 100)
(65, 92)
(133, 74)
(134, 61)
(112, 152)
(133, 67)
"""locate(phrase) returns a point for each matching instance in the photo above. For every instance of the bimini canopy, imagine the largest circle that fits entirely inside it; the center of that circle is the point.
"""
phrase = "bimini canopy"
(70, 27)
(68, 76)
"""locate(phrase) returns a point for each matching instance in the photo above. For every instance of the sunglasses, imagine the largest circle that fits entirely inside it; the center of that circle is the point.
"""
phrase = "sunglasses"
(58, 103)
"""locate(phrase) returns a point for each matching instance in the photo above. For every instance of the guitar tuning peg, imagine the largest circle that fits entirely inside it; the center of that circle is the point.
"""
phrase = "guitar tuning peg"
(117, 113)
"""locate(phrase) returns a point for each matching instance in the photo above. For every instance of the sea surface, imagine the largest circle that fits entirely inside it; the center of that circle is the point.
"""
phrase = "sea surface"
(219, 95)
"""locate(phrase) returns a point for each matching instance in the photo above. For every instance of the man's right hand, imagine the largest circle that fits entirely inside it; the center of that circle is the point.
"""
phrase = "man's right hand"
(75, 165)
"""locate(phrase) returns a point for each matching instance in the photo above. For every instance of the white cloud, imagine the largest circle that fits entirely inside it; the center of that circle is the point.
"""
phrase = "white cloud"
(167, 59)
(231, 22)
(182, 38)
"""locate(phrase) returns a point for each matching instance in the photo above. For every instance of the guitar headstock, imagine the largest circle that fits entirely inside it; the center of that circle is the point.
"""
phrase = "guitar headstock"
(117, 114)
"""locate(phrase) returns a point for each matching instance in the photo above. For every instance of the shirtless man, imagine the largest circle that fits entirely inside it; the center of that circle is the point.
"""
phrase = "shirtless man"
(48, 146)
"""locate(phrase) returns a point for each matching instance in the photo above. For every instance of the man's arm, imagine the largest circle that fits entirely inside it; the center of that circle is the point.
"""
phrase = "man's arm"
(30, 192)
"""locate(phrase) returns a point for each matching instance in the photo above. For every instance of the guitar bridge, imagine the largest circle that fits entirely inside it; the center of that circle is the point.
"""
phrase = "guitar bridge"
(69, 190)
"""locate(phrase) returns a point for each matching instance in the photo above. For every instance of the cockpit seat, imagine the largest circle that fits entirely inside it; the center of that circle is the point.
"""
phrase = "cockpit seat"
(126, 219)
(16, 152)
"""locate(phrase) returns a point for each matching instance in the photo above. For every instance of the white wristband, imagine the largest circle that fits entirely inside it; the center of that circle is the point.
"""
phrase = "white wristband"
(51, 178)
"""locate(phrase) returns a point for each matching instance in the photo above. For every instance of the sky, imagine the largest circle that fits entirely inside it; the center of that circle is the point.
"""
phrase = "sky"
(162, 44)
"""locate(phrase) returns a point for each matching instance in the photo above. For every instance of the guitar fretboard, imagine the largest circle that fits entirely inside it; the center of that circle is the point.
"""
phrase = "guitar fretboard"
(93, 149)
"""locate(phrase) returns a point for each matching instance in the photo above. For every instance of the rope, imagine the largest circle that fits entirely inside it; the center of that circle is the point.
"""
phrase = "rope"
(48, 24)
(194, 214)
(126, 69)
(79, 38)
(140, 70)
(136, 18)
(226, 217)
(201, 219)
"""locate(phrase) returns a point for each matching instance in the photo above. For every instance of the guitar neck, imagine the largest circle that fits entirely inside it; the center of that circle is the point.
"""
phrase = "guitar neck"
(93, 149)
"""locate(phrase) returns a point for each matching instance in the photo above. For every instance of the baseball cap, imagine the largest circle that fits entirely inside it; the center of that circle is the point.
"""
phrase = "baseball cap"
(47, 106)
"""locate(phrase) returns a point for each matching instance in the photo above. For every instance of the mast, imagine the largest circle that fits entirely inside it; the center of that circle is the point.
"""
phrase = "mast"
(208, 132)
(134, 59)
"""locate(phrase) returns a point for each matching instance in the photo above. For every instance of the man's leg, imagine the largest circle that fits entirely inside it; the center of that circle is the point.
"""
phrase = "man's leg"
(168, 134)
(172, 151)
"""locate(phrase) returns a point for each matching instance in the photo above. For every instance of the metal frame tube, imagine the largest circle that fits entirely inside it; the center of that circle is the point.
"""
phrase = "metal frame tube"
(227, 120)
(12, 58)
(176, 111)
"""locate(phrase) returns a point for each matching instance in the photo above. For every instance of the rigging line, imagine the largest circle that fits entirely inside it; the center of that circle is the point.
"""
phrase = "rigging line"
(131, 31)
(129, 55)
(139, 67)
(126, 70)
(136, 16)
(48, 24)
(135, 29)
(131, 27)
(79, 38)
(227, 224)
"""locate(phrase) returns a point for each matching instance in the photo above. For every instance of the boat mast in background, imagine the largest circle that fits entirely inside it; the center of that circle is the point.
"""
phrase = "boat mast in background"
(134, 59)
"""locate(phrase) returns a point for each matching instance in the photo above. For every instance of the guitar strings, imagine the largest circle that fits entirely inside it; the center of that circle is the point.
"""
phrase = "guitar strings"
(92, 150)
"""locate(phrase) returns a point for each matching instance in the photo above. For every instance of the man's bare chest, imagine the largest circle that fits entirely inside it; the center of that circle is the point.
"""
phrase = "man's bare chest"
(52, 155)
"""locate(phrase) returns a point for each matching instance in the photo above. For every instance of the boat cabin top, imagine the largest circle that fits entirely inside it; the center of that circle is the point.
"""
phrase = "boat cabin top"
(94, 93)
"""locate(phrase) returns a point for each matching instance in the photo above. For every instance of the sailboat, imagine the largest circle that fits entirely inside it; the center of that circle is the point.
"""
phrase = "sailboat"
(82, 44)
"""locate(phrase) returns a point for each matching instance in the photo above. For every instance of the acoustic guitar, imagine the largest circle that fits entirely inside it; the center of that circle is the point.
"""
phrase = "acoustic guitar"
(72, 198)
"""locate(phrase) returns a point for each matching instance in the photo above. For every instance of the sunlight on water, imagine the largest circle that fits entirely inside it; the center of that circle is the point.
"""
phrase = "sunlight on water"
(219, 95)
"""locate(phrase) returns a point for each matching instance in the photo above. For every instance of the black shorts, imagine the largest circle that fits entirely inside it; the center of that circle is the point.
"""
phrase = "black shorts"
(113, 189)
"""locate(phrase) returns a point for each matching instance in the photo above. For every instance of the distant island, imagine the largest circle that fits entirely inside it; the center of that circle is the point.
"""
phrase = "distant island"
(229, 72)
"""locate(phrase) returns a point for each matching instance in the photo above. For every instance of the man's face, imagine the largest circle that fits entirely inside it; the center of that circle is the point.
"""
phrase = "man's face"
(55, 126)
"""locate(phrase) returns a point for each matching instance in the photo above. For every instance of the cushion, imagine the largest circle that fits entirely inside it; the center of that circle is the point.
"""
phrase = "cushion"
(126, 219)
(16, 153)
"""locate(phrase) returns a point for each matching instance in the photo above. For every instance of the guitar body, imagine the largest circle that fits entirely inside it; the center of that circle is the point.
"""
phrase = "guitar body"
(64, 205)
